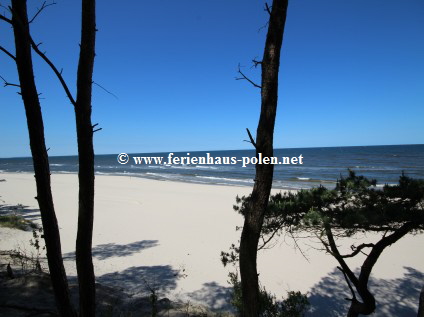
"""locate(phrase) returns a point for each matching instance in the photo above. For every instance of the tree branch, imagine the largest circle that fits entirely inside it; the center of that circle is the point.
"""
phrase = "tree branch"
(244, 77)
(265, 242)
(55, 70)
(110, 93)
(339, 258)
(7, 53)
(6, 83)
(2, 17)
(263, 27)
(41, 9)
(95, 125)
(358, 249)
(256, 62)
(348, 284)
(267, 8)
(251, 138)
(297, 245)
(47, 60)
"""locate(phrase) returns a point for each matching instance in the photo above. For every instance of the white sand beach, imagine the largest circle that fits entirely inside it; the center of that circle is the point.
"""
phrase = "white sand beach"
(170, 235)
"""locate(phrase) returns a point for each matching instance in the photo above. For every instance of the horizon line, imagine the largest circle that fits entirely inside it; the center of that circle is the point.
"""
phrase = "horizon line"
(282, 148)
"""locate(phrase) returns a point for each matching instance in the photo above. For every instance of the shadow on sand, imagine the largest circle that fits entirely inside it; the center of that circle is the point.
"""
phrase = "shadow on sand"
(396, 297)
(216, 297)
(110, 250)
(140, 279)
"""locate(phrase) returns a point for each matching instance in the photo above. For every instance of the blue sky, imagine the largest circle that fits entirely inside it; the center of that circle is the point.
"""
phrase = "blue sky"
(352, 73)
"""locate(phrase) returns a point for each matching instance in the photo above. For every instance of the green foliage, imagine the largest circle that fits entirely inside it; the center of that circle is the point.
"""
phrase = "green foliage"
(37, 234)
(295, 305)
(13, 221)
(11, 218)
(230, 257)
(354, 205)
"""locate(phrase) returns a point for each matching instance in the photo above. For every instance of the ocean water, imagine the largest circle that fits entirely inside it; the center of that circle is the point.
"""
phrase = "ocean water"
(320, 166)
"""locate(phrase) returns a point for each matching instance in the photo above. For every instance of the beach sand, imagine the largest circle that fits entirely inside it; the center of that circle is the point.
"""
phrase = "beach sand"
(169, 235)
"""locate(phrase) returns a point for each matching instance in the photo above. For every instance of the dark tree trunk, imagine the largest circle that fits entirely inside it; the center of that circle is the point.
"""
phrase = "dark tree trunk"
(367, 305)
(264, 173)
(40, 157)
(421, 304)
(86, 278)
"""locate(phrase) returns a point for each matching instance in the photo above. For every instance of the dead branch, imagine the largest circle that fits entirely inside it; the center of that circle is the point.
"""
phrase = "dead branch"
(263, 27)
(2, 17)
(267, 8)
(6, 83)
(55, 70)
(47, 60)
(7, 53)
(110, 93)
(44, 5)
(95, 125)
(256, 63)
(251, 138)
(244, 77)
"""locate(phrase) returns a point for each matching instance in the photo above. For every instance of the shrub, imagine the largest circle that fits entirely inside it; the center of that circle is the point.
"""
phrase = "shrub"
(295, 305)
(14, 221)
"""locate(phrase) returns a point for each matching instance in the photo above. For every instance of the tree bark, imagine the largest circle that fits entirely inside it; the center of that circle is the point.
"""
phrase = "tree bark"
(40, 158)
(254, 216)
(421, 304)
(86, 278)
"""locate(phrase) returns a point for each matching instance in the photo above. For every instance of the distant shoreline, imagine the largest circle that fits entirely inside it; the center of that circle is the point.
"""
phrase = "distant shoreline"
(198, 151)
(320, 166)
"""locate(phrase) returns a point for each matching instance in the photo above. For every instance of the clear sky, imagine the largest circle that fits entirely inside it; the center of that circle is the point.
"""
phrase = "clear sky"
(352, 73)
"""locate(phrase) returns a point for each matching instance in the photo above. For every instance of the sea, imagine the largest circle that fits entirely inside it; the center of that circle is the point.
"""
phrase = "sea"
(321, 166)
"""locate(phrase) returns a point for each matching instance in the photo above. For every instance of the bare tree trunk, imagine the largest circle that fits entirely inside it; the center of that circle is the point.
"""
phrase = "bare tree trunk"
(86, 278)
(254, 216)
(40, 158)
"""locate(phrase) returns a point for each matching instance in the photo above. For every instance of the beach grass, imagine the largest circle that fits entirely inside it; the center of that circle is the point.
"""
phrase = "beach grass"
(16, 222)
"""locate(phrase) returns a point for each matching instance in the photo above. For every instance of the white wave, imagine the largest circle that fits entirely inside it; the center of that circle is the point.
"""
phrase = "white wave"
(183, 167)
(168, 176)
(227, 179)
(206, 167)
